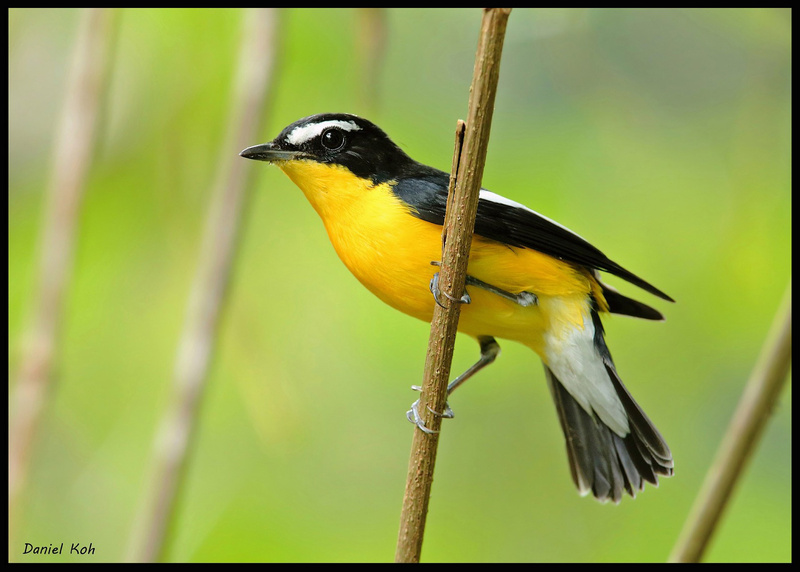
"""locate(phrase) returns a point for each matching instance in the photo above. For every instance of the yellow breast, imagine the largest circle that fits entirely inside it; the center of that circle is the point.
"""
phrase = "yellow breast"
(390, 251)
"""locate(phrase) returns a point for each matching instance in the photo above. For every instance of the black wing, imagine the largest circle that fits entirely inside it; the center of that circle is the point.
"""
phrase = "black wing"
(512, 224)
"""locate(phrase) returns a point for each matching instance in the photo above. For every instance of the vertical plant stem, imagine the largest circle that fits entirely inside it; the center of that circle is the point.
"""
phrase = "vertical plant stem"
(458, 228)
(229, 196)
(74, 147)
(754, 409)
(371, 49)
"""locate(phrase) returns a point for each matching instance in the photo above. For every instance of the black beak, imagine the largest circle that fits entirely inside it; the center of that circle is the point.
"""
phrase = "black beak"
(268, 152)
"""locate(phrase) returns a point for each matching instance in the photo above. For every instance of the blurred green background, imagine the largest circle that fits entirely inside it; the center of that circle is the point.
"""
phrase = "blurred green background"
(662, 136)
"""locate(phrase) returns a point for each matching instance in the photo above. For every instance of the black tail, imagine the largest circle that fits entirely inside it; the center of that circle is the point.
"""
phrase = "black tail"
(619, 304)
(601, 461)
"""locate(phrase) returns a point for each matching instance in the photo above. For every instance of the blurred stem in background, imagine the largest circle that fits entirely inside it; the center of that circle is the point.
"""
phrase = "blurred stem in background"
(72, 157)
(755, 407)
(230, 195)
(371, 52)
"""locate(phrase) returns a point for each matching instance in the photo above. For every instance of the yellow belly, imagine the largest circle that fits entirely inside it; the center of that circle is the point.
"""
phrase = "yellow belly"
(390, 251)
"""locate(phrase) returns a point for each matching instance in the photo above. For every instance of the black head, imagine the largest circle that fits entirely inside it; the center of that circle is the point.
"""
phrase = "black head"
(337, 138)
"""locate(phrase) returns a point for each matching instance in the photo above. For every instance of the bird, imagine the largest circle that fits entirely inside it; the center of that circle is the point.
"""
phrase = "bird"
(529, 280)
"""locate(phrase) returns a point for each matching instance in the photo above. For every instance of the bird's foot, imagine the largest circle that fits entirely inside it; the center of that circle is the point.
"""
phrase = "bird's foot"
(438, 293)
(414, 416)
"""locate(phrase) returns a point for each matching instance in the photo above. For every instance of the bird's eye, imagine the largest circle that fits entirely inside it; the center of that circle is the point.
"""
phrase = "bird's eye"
(332, 139)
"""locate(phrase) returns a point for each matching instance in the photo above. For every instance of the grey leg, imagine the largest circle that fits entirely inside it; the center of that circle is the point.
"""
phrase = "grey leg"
(524, 299)
(490, 349)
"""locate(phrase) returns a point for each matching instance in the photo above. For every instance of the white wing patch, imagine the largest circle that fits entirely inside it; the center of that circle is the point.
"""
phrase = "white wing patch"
(574, 360)
(495, 198)
(304, 133)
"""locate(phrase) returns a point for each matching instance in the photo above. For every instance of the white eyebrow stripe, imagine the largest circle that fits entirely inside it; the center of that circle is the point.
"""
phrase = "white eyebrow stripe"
(304, 133)
(495, 198)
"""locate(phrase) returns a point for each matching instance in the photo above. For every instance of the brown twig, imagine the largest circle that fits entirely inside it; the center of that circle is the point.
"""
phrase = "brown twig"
(458, 228)
(173, 441)
(73, 150)
(754, 409)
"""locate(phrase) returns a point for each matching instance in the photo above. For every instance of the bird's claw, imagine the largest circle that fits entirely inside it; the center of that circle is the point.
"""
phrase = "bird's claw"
(438, 293)
(414, 417)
